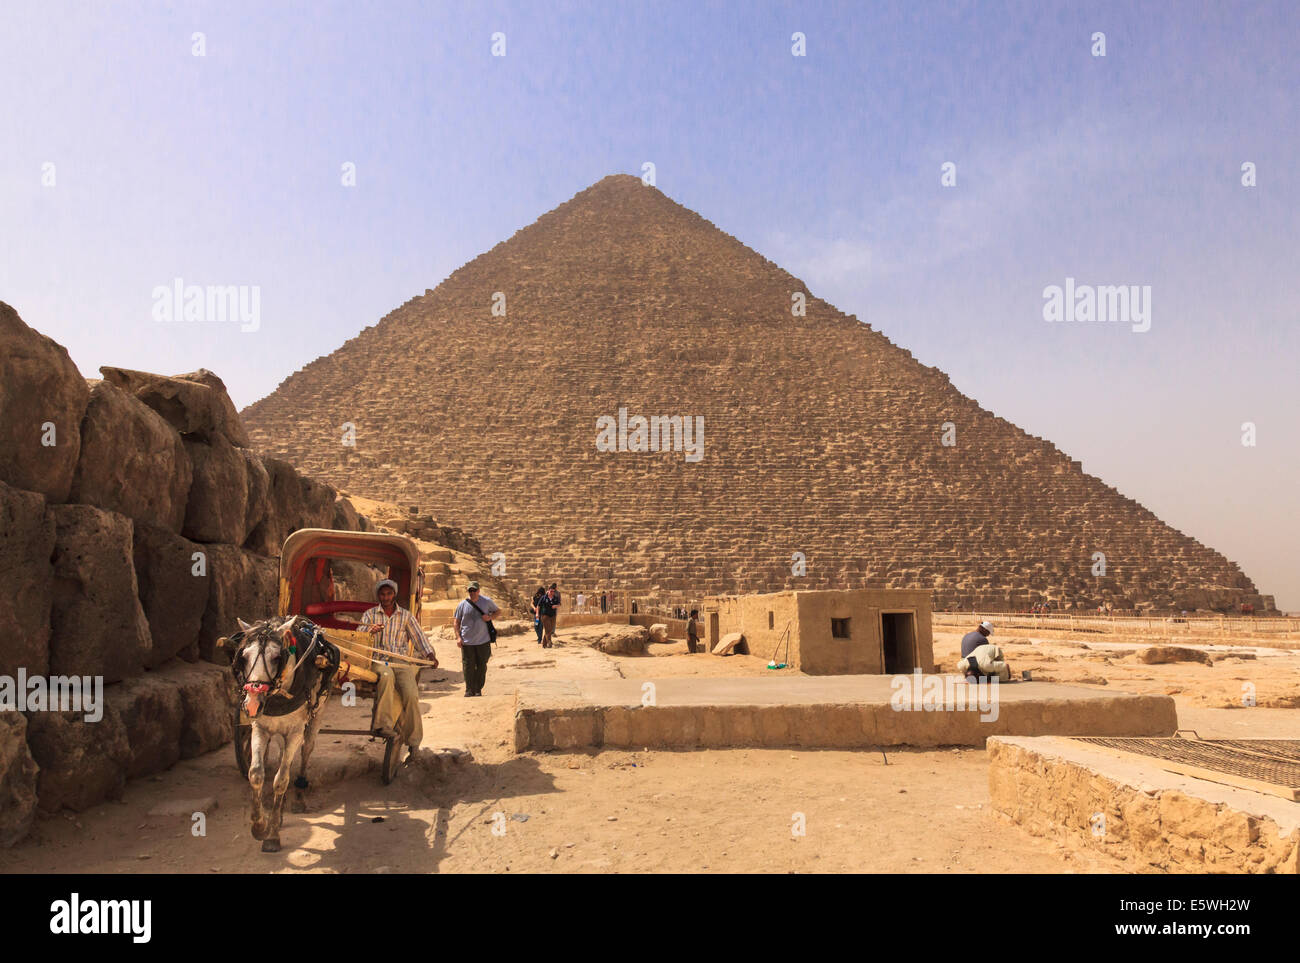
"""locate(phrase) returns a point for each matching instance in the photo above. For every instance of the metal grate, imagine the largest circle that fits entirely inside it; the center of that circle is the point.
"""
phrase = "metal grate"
(1272, 762)
(1277, 748)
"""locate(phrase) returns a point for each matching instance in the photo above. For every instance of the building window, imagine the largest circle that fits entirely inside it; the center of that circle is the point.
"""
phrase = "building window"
(840, 628)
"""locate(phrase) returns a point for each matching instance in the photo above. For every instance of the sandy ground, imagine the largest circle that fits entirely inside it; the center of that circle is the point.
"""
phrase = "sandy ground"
(619, 811)
(1081, 659)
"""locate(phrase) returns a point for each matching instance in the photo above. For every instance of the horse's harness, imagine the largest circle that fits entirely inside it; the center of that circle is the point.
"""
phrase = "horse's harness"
(304, 665)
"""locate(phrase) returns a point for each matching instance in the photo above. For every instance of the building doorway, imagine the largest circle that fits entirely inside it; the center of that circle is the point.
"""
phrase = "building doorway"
(898, 641)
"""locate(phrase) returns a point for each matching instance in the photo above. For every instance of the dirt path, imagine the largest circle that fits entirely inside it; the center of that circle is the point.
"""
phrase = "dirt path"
(609, 811)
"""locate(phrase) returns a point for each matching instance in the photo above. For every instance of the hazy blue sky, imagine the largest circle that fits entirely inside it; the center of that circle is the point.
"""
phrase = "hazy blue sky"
(225, 169)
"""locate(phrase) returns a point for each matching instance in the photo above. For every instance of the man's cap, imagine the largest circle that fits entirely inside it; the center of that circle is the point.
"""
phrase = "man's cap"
(472, 587)
(385, 581)
(987, 627)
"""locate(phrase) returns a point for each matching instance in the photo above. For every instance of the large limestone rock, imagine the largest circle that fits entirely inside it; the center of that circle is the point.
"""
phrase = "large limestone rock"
(96, 624)
(81, 762)
(207, 706)
(318, 503)
(283, 509)
(39, 386)
(231, 424)
(345, 516)
(132, 461)
(621, 639)
(194, 404)
(151, 713)
(294, 502)
(242, 585)
(17, 779)
(218, 505)
(171, 594)
(26, 581)
(1166, 654)
(259, 492)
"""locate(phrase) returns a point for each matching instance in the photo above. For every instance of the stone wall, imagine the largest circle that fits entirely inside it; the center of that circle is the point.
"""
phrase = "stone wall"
(1132, 810)
(135, 525)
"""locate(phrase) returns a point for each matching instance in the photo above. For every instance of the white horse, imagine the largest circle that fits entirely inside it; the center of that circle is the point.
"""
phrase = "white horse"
(285, 692)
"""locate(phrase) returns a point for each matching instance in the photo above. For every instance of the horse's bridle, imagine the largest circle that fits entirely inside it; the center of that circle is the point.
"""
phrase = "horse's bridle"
(261, 639)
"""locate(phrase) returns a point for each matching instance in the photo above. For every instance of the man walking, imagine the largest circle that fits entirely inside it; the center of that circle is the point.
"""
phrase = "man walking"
(471, 625)
(693, 631)
(546, 609)
(537, 618)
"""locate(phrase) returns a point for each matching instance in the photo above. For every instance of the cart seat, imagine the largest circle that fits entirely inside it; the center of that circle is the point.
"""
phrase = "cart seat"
(319, 612)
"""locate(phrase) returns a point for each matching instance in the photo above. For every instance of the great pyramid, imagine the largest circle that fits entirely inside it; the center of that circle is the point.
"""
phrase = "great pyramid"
(821, 437)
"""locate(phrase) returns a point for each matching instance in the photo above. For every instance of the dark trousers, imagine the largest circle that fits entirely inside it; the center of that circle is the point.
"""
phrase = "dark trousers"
(537, 624)
(473, 662)
(604, 603)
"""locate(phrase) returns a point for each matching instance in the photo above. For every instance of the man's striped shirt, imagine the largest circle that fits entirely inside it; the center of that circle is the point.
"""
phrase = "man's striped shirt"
(398, 628)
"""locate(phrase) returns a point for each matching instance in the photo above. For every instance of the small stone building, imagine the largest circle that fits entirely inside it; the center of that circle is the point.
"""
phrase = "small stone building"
(834, 632)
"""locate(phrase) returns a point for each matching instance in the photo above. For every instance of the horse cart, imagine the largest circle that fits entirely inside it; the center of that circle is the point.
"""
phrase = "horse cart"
(316, 567)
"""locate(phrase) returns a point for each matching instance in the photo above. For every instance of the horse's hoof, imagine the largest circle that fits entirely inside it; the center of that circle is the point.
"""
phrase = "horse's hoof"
(259, 830)
(271, 845)
(299, 804)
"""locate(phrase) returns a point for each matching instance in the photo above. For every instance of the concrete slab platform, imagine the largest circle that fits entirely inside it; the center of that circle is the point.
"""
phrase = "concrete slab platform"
(836, 712)
(1129, 807)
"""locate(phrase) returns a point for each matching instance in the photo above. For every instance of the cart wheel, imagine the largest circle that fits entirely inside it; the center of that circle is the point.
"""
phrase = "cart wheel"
(243, 744)
(392, 759)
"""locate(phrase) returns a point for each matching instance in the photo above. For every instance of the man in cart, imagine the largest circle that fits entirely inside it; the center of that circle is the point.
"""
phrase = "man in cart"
(397, 693)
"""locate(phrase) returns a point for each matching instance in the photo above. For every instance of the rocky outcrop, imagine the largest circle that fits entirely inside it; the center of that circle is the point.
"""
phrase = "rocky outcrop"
(122, 557)
(81, 762)
(258, 500)
(97, 627)
(1165, 654)
(26, 581)
(284, 512)
(196, 404)
(207, 707)
(228, 416)
(132, 461)
(172, 582)
(151, 713)
(18, 773)
(621, 639)
(241, 585)
(42, 400)
(218, 504)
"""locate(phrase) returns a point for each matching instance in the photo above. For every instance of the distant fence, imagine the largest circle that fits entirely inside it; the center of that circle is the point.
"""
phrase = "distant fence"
(1171, 626)
(676, 627)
